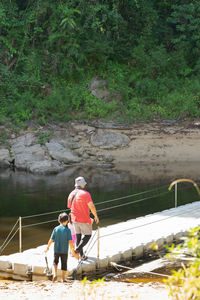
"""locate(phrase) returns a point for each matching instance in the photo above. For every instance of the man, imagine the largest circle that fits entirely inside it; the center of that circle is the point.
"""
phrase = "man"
(81, 204)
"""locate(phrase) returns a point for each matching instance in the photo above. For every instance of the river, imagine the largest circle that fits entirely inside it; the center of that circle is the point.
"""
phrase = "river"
(117, 196)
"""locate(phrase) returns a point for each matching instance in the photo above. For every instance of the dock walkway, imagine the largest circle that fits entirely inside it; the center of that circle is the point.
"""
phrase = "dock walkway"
(123, 241)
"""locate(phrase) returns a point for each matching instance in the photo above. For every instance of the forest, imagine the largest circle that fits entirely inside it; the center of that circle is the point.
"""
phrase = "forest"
(147, 51)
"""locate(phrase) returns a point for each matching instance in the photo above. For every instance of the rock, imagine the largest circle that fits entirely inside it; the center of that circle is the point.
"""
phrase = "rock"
(105, 166)
(25, 152)
(60, 153)
(90, 130)
(24, 157)
(110, 275)
(79, 127)
(109, 139)
(77, 138)
(110, 125)
(99, 89)
(26, 140)
(66, 141)
(97, 165)
(108, 157)
(85, 155)
(4, 158)
(46, 167)
(90, 153)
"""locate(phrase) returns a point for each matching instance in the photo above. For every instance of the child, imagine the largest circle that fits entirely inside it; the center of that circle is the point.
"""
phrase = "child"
(71, 227)
(61, 236)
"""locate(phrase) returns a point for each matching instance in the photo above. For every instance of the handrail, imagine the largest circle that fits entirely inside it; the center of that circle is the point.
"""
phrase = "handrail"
(116, 206)
(182, 180)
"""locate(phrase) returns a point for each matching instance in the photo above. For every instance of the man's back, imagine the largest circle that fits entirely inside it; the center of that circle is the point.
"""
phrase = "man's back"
(78, 202)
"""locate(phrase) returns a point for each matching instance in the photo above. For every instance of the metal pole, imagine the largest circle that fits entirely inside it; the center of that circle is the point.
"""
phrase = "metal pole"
(98, 265)
(176, 195)
(20, 234)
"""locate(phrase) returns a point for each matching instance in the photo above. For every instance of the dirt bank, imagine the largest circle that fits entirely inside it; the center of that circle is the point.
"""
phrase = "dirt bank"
(77, 291)
(161, 149)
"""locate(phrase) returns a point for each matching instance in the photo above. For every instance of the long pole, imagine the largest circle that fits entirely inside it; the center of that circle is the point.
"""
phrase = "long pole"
(20, 234)
(176, 195)
(98, 265)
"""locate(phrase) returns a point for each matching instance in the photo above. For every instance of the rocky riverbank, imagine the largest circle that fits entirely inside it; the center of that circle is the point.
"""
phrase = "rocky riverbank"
(54, 148)
(145, 148)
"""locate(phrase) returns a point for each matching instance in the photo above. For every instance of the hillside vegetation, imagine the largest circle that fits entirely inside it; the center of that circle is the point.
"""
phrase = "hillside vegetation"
(147, 51)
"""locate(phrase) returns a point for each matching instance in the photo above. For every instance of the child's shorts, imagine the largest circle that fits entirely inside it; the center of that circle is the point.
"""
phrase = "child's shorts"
(63, 258)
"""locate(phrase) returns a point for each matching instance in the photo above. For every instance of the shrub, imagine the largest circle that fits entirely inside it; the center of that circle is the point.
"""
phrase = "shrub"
(184, 284)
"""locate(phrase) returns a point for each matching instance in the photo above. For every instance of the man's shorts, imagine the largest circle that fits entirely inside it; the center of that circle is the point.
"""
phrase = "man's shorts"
(83, 228)
(63, 258)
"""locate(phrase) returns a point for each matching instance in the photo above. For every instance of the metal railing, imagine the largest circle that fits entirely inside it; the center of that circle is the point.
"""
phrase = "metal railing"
(20, 219)
(176, 188)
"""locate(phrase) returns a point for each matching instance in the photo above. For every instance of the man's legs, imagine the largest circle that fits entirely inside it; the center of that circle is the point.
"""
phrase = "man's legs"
(78, 239)
(85, 230)
(82, 243)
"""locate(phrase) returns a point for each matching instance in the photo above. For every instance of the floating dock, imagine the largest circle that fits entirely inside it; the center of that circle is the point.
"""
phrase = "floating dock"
(124, 241)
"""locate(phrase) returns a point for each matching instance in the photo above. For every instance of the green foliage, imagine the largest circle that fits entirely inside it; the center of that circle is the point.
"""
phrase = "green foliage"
(3, 136)
(43, 137)
(146, 50)
(184, 284)
(185, 19)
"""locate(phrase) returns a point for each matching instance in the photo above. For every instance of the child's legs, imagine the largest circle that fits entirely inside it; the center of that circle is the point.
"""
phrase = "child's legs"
(55, 263)
(63, 265)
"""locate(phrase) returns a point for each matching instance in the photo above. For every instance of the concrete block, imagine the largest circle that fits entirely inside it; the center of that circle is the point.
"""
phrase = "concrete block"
(148, 247)
(36, 277)
(20, 269)
(89, 267)
(38, 270)
(21, 277)
(138, 252)
(169, 239)
(160, 242)
(178, 235)
(5, 274)
(115, 258)
(79, 271)
(4, 265)
(103, 263)
(126, 255)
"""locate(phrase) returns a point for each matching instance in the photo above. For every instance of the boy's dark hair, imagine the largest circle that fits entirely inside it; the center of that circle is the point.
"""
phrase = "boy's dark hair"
(63, 217)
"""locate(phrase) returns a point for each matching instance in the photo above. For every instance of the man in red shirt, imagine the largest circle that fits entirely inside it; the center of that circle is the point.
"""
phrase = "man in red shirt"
(81, 204)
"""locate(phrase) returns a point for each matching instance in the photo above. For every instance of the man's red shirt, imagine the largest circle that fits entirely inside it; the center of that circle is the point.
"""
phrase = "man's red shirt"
(79, 208)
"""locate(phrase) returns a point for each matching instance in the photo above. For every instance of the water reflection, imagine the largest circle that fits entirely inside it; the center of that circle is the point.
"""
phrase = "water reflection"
(25, 194)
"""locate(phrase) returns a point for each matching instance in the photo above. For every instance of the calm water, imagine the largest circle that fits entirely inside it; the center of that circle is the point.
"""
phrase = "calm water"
(26, 195)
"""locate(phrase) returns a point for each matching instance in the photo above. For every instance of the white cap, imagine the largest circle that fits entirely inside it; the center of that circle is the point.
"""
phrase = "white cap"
(79, 181)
